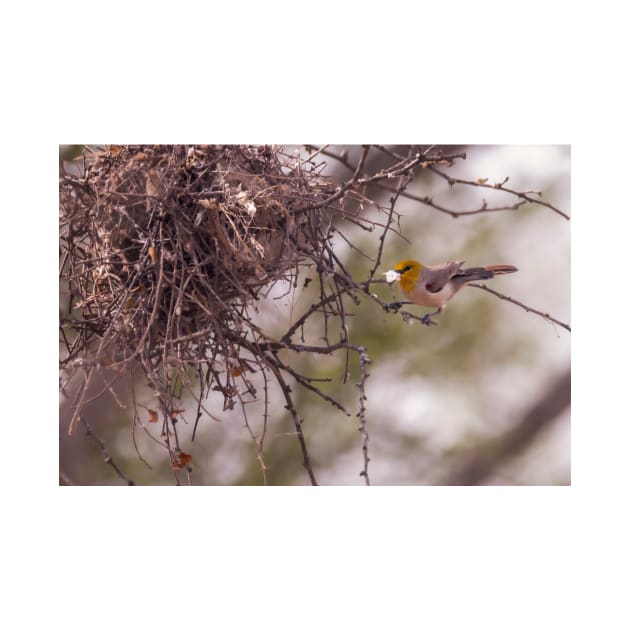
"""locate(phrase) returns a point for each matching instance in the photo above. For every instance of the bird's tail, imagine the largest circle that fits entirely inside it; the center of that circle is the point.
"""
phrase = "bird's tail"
(483, 273)
(499, 269)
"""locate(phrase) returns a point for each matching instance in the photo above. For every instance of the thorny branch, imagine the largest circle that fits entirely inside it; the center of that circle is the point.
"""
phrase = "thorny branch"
(428, 201)
(107, 458)
(524, 195)
(364, 361)
(529, 309)
(166, 250)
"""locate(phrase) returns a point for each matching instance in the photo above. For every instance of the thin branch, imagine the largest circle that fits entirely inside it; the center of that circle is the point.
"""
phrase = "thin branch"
(390, 217)
(529, 309)
(364, 361)
(342, 159)
(312, 309)
(107, 458)
(344, 187)
(257, 446)
(500, 186)
(428, 201)
(406, 167)
(304, 381)
(297, 420)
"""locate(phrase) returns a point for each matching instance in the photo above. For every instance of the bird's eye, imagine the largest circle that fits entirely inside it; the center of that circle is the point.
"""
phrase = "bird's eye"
(406, 269)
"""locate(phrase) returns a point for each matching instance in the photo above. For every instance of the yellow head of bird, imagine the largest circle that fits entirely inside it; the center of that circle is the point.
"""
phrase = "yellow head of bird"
(408, 273)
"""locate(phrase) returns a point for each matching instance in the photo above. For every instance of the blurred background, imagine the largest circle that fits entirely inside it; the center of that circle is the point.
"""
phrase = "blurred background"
(479, 399)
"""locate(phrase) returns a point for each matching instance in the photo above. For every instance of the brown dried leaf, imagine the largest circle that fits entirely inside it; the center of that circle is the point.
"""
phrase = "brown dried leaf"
(180, 461)
(208, 204)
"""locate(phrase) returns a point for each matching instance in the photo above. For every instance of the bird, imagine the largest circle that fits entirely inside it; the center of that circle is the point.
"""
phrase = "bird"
(435, 285)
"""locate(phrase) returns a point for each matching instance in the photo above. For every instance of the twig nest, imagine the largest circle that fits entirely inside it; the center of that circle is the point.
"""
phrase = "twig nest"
(163, 247)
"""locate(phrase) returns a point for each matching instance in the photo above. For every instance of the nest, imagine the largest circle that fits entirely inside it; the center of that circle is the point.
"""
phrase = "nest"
(165, 246)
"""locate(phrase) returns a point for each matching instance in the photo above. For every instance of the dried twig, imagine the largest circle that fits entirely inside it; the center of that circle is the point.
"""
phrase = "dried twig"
(364, 361)
(484, 208)
(107, 458)
(529, 309)
(524, 195)
(297, 421)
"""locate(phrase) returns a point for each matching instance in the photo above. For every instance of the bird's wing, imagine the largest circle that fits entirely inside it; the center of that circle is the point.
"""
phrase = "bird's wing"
(434, 278)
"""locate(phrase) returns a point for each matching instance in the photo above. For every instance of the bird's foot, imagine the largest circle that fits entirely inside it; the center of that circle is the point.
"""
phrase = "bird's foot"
(427, 321)
(394, 307)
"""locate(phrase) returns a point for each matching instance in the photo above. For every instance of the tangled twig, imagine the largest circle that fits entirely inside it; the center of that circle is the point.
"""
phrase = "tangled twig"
(526, 196)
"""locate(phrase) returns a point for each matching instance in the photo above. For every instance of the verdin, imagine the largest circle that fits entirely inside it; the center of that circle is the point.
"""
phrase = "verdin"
(436, 285)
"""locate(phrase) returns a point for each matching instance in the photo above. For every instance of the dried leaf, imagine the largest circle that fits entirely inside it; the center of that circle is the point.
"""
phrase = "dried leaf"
(208, 204)
(153, 415)
(250, 208)
(153, 182)
(227, 391)
(180, 461)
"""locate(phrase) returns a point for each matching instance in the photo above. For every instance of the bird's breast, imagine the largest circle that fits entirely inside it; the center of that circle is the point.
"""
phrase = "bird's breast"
(421, 295)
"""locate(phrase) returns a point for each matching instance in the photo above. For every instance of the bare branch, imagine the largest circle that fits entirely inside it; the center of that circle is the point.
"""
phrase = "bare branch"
(428, 201)
(364, 361)
(107, 458)
(529, 309)
(404, 180)
(500, 186)
(345, 187)
(297, 421)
